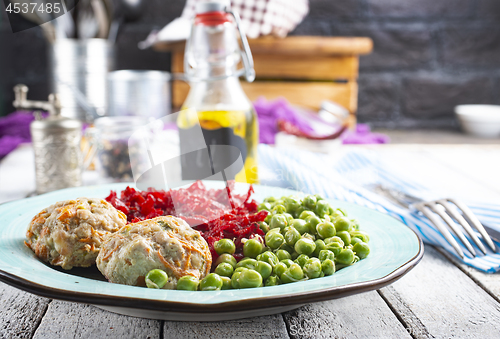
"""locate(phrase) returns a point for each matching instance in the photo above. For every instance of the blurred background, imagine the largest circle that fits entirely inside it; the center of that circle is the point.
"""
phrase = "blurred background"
(428, 56)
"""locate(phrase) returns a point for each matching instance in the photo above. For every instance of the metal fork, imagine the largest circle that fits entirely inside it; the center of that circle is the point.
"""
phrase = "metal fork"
(444, 208)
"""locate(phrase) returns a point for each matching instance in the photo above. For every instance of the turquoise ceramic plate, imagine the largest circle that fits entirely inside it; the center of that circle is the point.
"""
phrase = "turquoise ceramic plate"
(395, 249)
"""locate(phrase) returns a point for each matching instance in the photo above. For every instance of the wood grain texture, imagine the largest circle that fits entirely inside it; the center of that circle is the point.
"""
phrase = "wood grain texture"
(296, 45)
(275, 66)
(271, 326)
(71, 320)
(20, 312)
(307, 94)
(360, 316)
(444, 302)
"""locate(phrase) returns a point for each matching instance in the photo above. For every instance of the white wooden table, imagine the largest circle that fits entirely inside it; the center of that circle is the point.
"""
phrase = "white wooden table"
(439, 298)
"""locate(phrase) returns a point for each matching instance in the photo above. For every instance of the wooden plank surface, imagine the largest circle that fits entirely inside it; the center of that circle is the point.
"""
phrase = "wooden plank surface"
(297, 45)
(71, 320)
(364, 315)
(315, 67)
(307, 94)
(271, 326)
(437, 300)
(20, 312)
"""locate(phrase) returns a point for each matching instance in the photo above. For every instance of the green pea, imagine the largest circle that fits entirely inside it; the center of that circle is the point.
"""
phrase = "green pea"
(335, 214)
(188, 283)
(250, 279)
(287, 248)
(264, 226)
(278, 209)
(298, 211)
(335, 247)
(264, 269)
(282, 254)
(361, 235)
(322, 207)
(295, 271)
(226, 257)
(239, 269)
(211, 282)
(224, 246)
(264, 206)
(342, 224)
(300, 225)
(320, 245)
(336, 239)
(301, 260)
(345, 236)
(309, 201)
(313, 220)
(295, 255)
(305, 214)
(268, 257)
(287, 262)
(325, 230)
(278, 221)
(292, 203)
(291, 236)
(326, 254)
(362, 250)
(252, 248)
(305, 246)
(318, 197)
(309, 236)
(270, 199)
(328, 267)
(289, 218)
(247, 263)
(286, 278)
(272, 281)
(224, 269)
(235, 279)
(355, 224)
(280, 268)
(312, 268)
(156, 278)
(354, 240)
(226, 283)
(274, 240)
(267, 220)
(345, 257)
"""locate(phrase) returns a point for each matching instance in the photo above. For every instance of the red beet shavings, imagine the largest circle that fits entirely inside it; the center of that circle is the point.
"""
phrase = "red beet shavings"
(216, 213)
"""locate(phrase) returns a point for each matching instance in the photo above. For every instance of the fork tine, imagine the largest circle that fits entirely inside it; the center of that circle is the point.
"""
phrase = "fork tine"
(441, 227)
(440, 210)
(475, 221)
(461, 220)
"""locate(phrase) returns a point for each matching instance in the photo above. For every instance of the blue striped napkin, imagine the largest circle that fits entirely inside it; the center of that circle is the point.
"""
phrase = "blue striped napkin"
(346, 178)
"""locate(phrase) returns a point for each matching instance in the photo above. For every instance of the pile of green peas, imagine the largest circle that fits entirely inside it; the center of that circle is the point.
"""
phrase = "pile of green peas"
(304, 239)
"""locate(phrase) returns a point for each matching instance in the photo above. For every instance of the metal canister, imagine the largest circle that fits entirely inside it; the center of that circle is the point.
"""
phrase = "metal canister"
(58, 160)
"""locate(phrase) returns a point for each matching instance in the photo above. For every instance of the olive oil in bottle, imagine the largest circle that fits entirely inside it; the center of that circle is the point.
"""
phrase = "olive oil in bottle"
(216, 102)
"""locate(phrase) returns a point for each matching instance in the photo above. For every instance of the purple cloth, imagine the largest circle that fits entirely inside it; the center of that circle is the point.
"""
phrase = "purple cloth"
(362, 135)
(14, 130)
(269, 112)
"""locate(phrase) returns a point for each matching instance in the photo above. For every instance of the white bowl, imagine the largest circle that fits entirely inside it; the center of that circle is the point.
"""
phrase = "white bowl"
(479, 120)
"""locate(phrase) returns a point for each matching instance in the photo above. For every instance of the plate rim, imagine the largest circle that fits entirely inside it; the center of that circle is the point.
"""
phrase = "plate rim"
(303, 297)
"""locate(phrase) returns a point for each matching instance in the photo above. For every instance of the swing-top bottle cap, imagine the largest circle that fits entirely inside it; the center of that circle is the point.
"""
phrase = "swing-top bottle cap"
(212, 6)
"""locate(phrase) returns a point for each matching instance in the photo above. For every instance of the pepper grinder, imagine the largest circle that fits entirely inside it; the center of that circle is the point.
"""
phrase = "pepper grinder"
(56, 143)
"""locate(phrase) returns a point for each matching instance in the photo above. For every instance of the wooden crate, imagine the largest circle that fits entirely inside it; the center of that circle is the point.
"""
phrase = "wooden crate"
(305, 70)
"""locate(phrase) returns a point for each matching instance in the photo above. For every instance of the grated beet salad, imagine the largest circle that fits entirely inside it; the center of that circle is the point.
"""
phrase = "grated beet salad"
(216, 213)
